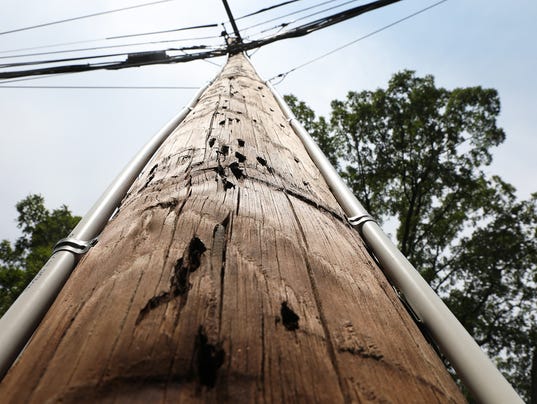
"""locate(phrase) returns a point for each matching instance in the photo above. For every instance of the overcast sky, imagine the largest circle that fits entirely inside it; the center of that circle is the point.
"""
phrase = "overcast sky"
(69, 144)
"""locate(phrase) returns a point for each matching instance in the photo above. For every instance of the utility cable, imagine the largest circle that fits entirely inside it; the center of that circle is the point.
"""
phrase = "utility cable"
(288, 14)
(146, 54)
(284, 75)
(286, 24)
(266, 9)
(108, 38)
(103, 87)
(151, 58)
(157, 57)
(109, 47)
(165, 31)
(84, 16)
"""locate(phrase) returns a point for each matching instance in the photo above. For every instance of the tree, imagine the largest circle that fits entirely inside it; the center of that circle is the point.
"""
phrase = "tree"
(41, 229)
(414, 154)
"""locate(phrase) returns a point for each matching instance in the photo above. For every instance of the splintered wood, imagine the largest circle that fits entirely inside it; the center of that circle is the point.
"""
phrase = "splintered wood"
(229, 274)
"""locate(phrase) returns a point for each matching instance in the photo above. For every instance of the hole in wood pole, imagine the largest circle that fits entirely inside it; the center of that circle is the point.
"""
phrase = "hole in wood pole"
(240, 142)
(222, 122)
(240, 157)
(261, 161)
(211, 141)
(227, 184)
(189, 262)
(236, 170)
(296, 159)
(224, 150)
(289, 317)
(220, 171)
(209, 358)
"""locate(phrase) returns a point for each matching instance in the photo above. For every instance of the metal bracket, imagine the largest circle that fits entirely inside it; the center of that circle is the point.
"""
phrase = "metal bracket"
(73, 245)
(359, 221)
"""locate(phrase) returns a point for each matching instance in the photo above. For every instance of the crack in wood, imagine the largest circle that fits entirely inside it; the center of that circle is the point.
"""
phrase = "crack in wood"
(324, 323)
(209, 358)
(150, 178)
(221, 234)
(179, 283)
(170, 204)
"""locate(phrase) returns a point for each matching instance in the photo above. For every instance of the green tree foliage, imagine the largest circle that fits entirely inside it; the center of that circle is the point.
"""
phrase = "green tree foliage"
(41, 229)
(414, 154)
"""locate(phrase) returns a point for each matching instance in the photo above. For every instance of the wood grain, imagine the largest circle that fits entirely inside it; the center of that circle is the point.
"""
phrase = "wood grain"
(229, 274)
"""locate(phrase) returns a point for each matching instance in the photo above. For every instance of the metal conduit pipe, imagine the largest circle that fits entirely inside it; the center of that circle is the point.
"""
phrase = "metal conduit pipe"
(20, 321)
(473, 366)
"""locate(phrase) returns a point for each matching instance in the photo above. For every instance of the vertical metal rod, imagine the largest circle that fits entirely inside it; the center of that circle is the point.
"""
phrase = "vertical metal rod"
(473, 366)
(232, 21)
(20, 321)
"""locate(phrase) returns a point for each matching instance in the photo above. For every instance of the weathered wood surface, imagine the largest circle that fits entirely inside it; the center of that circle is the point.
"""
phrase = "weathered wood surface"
(229, 274)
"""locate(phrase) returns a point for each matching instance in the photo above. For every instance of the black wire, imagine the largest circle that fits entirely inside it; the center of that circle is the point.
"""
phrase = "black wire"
(286, 24)
(109, 47)
(266, 9)
(284, 75)
(83, 16)
(165, 31)
(289, 14)
(104, 87)
(129, 54)
(104, 39)
(230, 49)
(113, 65)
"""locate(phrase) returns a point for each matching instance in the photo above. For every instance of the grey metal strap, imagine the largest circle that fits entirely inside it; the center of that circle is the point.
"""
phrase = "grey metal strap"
(358, 221)
(73, 245)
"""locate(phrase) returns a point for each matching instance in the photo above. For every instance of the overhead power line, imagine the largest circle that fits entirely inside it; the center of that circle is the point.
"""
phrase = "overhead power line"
(104, 87)
(111, 38)
(288, 14)
(131, 55)
(160, 57)
(266, 9)
(165, 31)
(83, 17)
(109, 47)
(284, 75)
(286, 24)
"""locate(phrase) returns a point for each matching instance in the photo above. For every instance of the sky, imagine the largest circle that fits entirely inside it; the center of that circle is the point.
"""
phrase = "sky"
(68, 144)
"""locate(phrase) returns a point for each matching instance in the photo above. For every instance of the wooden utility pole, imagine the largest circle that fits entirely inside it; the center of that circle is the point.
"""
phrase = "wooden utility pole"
(229, 274)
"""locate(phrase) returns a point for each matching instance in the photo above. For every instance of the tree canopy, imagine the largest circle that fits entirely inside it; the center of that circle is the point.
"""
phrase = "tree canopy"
(41, 230)
(415, 155)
